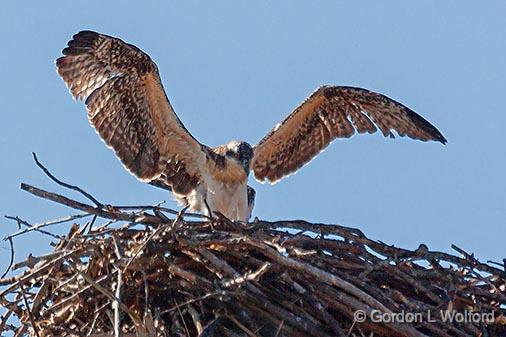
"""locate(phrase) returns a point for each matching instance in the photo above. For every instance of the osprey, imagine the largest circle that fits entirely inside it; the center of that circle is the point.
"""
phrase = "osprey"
(129, 109)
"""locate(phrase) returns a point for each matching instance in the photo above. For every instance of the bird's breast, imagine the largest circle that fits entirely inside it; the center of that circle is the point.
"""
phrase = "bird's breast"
(229, 174)
(229, 199)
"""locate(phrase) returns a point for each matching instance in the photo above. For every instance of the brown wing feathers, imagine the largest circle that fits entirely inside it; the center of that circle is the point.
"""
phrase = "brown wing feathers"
(128, 107)
(329, 113)
(383, 111)
(118, 111)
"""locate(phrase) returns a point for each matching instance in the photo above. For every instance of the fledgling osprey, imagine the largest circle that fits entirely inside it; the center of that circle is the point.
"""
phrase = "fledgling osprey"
(128, 107)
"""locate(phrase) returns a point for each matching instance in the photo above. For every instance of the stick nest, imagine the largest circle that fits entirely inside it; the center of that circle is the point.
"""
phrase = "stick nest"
(146, 271)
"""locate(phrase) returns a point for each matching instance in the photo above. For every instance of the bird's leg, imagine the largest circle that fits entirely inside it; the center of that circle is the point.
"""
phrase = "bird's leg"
(243, 211)
(210, 213)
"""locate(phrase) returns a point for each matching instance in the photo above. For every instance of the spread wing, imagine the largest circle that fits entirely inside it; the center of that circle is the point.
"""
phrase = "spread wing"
(333, 112)
(128, 107)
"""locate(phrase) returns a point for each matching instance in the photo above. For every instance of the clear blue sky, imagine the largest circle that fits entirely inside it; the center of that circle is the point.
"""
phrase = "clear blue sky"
(234, 69)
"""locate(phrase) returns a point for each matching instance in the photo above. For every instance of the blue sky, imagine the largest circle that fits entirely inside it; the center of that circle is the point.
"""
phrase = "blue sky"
(235, 69)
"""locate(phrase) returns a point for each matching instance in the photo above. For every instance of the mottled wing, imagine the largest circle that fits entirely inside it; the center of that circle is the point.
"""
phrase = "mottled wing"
(333, 112)
(128, 107)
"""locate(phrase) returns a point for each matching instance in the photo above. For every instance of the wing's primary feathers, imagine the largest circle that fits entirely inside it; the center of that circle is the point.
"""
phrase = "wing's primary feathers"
(332, 112)
(129, 109)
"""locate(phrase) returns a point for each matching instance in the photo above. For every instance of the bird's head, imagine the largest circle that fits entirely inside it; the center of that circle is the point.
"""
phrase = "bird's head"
(241, 152)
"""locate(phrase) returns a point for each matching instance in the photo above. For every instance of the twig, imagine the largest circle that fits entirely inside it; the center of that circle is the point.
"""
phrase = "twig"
(31, 261)
(113, 214)
(20, 222)
(11, 259)
(350, 330)
(61, 183)
(241, 326)
(146, 292)
(29, 311)
(195, 318)
(93, 322)
(280, 326)
(193, 300)
(89, 225)
(249, 276)
(44, 224)
(7, 315)
(463, 252)
(163, 209)
(182, 319)
(115, 304)
(119, 283)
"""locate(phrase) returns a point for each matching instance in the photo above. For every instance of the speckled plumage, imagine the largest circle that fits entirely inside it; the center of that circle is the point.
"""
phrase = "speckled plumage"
(127, 106)
(129, 109)
(333, 112)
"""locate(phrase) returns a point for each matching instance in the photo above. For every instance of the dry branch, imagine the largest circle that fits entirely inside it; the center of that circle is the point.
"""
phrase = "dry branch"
(153, 272)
